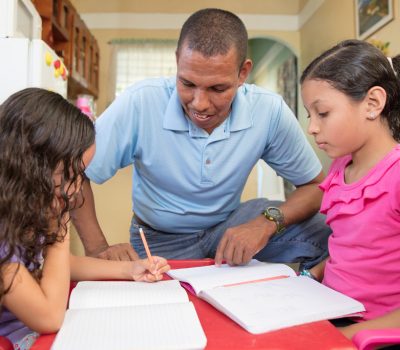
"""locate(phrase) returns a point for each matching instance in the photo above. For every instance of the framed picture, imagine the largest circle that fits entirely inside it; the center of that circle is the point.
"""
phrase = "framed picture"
(372, 15)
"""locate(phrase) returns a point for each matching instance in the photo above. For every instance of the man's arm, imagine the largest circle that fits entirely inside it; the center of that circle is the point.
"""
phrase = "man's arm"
(239, 244)
(85, 221)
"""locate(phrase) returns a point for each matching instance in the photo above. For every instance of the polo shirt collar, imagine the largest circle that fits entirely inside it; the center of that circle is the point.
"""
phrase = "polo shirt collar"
(240, 117)
(174, 117)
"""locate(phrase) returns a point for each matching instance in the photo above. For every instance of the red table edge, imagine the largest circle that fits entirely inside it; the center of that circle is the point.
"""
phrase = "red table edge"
(44, 342)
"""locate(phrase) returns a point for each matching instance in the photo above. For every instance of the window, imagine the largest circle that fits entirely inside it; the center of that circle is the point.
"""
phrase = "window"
(136, 60)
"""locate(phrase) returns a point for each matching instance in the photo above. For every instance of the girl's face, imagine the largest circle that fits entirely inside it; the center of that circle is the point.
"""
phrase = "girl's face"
(71, 188)
(336, 121)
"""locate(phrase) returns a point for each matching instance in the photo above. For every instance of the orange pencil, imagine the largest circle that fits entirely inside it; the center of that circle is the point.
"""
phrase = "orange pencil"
(146, 247)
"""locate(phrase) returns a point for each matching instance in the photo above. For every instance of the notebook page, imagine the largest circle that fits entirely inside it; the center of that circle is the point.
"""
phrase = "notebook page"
(266, 306)
(168, 326)
(93, 294)
(207, 277)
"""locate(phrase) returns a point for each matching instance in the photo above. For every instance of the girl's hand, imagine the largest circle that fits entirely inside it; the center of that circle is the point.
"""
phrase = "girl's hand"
(143, 270)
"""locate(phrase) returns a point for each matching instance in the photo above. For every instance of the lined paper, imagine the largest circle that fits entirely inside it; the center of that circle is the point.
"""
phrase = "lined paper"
(166, 326)
(89, 294)
(122, 315)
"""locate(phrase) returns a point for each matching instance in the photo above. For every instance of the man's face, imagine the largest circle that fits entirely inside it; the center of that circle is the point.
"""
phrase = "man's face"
(207, 85)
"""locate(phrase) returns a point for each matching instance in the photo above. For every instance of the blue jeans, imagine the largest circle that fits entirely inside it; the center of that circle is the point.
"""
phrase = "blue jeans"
(305, 243)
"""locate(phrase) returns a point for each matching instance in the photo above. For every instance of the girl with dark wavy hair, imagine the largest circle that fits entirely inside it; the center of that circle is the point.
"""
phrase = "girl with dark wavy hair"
(45, 145)
(352, 95)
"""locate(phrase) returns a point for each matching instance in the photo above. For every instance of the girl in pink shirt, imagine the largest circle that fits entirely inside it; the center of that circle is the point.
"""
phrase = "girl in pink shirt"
(352, 95)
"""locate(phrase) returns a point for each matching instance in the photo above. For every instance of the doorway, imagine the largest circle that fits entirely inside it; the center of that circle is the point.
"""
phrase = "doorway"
(275, 69)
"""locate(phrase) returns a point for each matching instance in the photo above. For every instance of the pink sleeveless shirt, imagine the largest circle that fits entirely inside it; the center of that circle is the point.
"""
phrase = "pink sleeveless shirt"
(364, 246)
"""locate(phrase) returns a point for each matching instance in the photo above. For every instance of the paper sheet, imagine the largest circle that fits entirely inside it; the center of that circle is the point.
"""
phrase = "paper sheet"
(266, 306)
(167, 326)
(207, 277)
(94, 294)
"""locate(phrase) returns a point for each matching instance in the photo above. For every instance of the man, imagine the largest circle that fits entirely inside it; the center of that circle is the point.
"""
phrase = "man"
(193, 141)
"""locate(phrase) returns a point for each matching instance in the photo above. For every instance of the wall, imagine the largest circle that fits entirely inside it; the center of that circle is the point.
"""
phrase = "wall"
(289, 7)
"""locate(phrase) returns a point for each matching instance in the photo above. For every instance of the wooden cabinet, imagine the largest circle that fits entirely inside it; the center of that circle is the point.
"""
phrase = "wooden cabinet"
(64, 30)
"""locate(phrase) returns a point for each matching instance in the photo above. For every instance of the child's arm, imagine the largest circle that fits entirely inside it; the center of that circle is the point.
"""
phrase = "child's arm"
(318, 270)
(390, 320)
(87, 268)
(40, 305)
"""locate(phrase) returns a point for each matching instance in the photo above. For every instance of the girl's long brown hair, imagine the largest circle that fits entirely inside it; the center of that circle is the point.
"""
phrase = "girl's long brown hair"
(39, 130)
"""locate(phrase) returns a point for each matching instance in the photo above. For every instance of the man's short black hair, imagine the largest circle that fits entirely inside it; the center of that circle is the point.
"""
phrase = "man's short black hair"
(214, 32)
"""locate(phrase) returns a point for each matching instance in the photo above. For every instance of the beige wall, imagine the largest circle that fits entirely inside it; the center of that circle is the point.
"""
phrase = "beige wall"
(272, 7)
(332, 22)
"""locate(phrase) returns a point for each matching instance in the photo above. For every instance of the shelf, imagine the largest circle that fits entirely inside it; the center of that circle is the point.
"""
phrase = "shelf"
(68, 35)
(59, 33)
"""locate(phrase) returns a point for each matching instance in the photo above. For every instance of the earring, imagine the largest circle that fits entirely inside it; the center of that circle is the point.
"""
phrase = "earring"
(371, 116)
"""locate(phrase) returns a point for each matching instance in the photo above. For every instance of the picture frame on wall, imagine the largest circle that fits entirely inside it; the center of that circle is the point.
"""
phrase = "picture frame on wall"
(371, 15)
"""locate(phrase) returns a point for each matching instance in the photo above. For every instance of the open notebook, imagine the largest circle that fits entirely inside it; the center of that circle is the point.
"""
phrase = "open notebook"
(263, 297)
(130, 315)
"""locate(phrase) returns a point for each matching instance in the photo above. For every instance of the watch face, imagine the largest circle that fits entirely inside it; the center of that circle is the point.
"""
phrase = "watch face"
(275, 212)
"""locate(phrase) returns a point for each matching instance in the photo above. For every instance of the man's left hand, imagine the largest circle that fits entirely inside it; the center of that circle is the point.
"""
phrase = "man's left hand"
(120, 251)
(239, 244)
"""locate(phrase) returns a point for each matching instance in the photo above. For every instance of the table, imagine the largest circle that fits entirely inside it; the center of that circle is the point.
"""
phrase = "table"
(224, 334)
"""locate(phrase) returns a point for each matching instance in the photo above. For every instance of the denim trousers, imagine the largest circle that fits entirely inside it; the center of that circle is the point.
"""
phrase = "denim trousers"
(305, 243)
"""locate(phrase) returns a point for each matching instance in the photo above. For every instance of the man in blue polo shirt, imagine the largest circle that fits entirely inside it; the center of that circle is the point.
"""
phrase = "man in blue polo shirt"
(193, 141)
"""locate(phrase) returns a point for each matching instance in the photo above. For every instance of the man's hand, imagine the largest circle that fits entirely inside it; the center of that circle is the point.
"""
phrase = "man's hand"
(239, 244)
(121, 251)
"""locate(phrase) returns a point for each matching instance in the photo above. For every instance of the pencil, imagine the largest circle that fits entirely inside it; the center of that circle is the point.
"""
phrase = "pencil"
(146, 247)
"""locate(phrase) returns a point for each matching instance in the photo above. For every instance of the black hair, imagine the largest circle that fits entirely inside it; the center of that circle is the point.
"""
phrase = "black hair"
(353, 67)
(214, 32)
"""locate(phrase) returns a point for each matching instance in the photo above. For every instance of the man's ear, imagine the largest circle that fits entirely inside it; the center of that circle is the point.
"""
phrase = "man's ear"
(375, 101)
(245, 71)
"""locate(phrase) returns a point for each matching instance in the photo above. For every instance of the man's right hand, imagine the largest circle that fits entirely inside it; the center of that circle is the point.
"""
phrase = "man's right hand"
(120, 251)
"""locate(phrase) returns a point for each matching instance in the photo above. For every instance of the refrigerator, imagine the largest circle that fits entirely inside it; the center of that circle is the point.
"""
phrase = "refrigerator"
(25, 59)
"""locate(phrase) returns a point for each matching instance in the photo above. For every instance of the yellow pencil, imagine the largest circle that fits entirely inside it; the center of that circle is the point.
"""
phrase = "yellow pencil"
(146, 247)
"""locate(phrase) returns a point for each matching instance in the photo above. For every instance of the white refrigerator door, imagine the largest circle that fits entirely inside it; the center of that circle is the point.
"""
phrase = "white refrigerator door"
(14, 66)
(30, 63)
(19, 19)
(46, 68)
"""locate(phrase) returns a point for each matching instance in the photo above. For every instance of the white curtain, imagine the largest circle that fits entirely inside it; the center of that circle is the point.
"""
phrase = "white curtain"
(135, 60)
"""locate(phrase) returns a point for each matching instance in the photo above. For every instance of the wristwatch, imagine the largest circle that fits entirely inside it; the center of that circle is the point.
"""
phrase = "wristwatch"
(275, 214)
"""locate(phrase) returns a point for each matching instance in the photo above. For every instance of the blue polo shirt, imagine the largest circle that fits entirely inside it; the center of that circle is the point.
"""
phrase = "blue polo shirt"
(184, 179)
